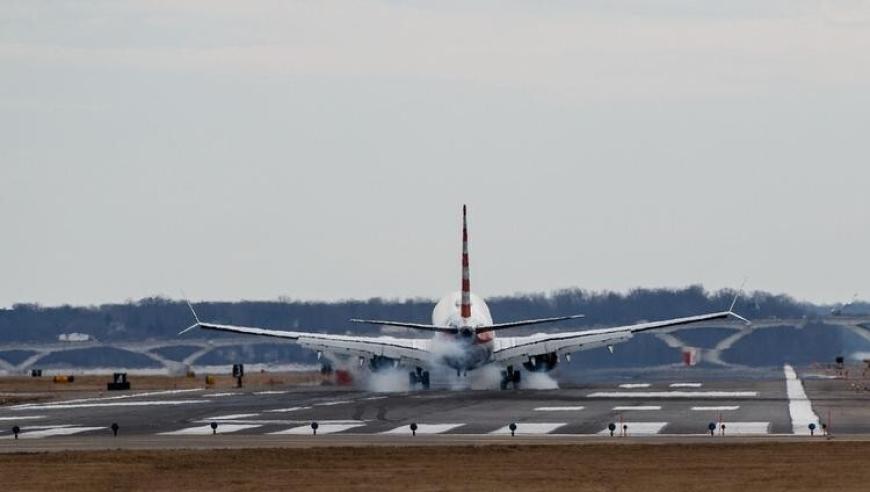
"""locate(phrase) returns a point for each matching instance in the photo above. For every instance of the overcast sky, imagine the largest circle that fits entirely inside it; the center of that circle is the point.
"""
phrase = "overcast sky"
(322, 150)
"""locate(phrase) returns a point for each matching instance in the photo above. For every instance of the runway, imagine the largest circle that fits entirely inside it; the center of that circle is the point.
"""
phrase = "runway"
(672, 409)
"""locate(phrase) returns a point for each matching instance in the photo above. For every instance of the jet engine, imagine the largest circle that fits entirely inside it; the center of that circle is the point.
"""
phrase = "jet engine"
(542, 363)
(381, 363)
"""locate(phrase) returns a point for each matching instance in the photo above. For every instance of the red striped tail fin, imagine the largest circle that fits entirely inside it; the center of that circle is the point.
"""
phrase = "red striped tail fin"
(466, 279)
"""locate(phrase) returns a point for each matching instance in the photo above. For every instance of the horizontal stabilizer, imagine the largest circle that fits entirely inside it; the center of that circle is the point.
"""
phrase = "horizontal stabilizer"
(416, 326)
(528, 322)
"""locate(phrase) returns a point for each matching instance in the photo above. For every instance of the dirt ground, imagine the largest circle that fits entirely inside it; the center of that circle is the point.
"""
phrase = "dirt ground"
(773, 466)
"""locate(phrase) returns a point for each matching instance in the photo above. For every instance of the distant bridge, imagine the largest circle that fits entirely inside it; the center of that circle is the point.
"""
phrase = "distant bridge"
(148, 348)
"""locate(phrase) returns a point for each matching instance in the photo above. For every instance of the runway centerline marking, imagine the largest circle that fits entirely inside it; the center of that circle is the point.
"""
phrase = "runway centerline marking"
(634, 385)
(531, 428)
(216, 395)
(331, 403)
(222, 428)
(558, 409)
(636, 428)
(271, 392)
(724, 408)
(799, 407)
(24, 417)
(424, 429)
(685, 385)
(640, 408)
(322, 429)
(673, 394)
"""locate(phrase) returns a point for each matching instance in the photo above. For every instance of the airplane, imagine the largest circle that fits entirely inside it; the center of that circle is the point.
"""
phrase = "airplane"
(463, 338)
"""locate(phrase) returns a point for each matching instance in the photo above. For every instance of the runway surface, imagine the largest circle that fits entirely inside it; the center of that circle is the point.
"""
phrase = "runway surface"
(677, 409)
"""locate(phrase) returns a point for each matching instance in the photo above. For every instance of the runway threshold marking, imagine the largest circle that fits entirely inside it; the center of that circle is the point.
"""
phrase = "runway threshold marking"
(673, 394)
(799, 407)
(558, 409)
(322, 429)
(639, 408)
(723, 408)
(530, 428)
(424, 429)
(636, 428)
(222, 428)
(634, 385)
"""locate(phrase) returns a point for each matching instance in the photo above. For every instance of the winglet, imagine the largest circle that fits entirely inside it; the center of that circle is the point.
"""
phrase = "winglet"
(195, 317)
(737, 295)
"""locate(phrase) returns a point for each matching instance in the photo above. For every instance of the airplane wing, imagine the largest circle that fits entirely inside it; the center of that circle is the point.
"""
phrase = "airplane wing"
(408, 351)
(512, 350)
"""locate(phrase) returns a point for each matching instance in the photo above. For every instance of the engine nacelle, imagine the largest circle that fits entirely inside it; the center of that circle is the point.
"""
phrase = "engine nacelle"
(542, 363)
(381, 363)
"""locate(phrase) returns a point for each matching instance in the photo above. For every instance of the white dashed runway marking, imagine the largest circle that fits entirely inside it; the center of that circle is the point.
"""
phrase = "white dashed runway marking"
(233, 416)
(558, 409)
(271, 392)
(206, 429)
(24, 417)
(639, 408)
(724, 408)
(634, 385)
(322, 429)
(217, 395)
(331, 403)
(424, 429)
(637, 428)
(289, 409)
(673, 394)
(685, 385)
(530, 428)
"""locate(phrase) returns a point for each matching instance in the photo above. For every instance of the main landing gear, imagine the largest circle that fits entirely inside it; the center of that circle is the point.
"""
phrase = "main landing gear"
(419, 376)
(510, 376)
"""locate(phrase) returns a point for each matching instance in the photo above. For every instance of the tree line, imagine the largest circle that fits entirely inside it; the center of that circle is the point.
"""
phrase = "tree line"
(157, 317)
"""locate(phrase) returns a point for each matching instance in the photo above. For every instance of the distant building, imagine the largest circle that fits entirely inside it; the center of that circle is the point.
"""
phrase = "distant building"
(74, 337)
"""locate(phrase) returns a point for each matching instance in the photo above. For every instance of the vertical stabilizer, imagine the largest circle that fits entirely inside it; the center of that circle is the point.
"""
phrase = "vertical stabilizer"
(466, 279)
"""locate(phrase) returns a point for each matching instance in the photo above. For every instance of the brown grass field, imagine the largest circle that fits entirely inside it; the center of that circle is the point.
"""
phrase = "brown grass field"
(785, 466)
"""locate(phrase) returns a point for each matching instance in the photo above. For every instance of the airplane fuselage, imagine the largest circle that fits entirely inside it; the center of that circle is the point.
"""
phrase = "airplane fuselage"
(468, 349)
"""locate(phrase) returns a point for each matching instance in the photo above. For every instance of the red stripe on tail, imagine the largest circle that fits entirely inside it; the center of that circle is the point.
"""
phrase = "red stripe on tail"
(466, 278)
